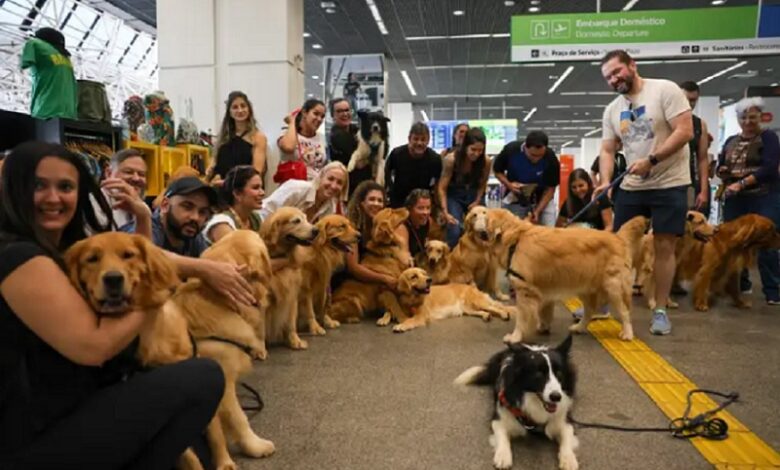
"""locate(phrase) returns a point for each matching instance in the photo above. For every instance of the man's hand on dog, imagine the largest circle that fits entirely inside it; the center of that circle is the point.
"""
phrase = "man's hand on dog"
(228, 280)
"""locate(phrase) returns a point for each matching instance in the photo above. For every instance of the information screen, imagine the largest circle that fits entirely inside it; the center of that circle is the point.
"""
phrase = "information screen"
(498, 132)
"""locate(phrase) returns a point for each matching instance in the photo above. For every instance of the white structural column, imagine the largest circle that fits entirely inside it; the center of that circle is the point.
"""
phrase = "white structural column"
(401, 120)
(208, 48)
(708, 108)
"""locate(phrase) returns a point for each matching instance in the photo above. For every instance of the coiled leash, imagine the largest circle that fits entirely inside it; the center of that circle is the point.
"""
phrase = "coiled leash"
(255, 396)
(593, 201)
(685, 427)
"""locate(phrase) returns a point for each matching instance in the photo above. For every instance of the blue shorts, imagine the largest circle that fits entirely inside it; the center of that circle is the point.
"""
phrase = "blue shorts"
(666, 208)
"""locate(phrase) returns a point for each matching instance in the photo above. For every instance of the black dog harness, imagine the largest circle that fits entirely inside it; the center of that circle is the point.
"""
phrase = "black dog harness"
(509, 270)
(243, 347)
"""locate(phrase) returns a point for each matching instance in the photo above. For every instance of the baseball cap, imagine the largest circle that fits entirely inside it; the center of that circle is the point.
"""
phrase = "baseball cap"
(189, 185)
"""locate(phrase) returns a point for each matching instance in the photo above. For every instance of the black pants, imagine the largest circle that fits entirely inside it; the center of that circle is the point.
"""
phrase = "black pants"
(143, 423)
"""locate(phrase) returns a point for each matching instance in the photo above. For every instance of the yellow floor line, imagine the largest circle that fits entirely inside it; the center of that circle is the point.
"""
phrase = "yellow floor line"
(668, 388)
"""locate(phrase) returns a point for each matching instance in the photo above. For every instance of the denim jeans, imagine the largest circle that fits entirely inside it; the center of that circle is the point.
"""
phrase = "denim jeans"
(767, 205)
(548, 214)
(458, 200)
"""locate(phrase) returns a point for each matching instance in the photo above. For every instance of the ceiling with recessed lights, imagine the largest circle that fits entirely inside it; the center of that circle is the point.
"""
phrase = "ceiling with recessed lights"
(456, 54)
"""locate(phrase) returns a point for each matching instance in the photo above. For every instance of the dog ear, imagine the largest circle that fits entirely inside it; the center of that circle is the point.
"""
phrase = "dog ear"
(72, 256)
(404, 286)
(399, 216)
(160, 270)
(386, 119)
(270, 229)
(565, 347)
(691, 216)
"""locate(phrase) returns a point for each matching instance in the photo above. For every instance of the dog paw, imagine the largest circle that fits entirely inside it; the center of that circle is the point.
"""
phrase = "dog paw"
(385, 320)
(578, 328)
(256, 447)
(297, 343)
(227, 465)
(672, 304)
(543, 330)
(568, 462)
(701, 307)
(261, 354)
(627, 333)
(352, 320)
(501, 297)
(400, 328)
(511, 338)
(315, 329)
(502, 459)
(744, 304)
(330, 323)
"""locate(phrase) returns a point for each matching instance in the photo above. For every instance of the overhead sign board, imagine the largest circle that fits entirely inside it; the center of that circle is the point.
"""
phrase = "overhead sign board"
(685, 33)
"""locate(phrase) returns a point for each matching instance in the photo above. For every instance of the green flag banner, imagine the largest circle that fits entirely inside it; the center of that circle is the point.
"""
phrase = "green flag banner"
(687, 33)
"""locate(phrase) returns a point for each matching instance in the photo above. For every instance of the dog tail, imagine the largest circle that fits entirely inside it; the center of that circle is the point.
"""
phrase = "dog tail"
(477, 375)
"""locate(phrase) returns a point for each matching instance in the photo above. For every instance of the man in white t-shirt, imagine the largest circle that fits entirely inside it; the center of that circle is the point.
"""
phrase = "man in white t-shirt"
(652, 118)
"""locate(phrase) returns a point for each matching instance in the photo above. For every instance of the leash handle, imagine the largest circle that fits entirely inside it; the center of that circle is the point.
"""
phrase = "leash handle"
(593, 201)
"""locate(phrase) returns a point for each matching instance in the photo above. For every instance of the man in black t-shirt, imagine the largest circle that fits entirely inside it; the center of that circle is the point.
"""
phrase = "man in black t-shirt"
(412, 166)
(698, 148)
(351, 89)
(343, 141)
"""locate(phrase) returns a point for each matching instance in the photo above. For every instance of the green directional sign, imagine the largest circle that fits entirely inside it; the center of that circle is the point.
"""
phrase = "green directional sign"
(654, 33)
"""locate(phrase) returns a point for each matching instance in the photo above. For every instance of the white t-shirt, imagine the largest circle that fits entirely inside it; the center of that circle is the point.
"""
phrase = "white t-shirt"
(641, 122)
(299, 194)
(312, 151)
(215, 220)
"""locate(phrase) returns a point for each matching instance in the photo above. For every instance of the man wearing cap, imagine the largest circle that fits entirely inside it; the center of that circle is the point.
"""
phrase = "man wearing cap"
(184, 210)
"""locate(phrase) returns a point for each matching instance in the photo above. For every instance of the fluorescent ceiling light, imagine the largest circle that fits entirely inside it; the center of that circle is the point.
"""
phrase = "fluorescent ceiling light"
(594, 131)
(322, 83)
(717, 2)
(316, 46)
(458, 12)
(488, 95)
(330, 10)
(408, 82)
(530, 113)
(484, 66)
(377, 17)
(561, 79)
(558, 106)
(458, 36)
(509, 3)
(424, 115)
(315, 77)
(567, 143)
(630, 5)
(306, 35)
(533, 9)
(722, 72)
(504, 80)
(589, 93)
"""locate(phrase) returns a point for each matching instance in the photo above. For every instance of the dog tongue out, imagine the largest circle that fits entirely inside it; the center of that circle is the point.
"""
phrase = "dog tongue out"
(550, 407)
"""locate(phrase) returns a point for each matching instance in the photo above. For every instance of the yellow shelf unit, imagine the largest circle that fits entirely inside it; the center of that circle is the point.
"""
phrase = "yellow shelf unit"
(171, 158)
(198, 157)
(152, 157)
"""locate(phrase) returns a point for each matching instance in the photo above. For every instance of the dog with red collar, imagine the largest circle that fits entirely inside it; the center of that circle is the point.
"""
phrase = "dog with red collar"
(533, 391)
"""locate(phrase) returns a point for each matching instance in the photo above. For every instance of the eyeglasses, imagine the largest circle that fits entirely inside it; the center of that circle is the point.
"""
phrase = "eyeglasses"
(343, 111)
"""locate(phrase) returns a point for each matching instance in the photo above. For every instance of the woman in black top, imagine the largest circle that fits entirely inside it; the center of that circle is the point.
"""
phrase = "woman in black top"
(599, 216)
(457, 138)
(240, 142)
(62, 404)
(414, 232)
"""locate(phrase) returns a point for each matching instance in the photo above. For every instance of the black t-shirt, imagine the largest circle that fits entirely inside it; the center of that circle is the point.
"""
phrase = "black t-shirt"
(38, 386)
(351, 88)
(620, 165)
(404, 173)
(341, 144)
(592, 217)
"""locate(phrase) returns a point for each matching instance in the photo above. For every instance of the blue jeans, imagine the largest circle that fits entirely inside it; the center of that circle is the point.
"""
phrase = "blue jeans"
(458, 200)
(767, 205)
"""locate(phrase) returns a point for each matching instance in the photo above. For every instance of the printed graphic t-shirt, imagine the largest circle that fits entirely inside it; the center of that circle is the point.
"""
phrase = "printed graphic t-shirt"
(54, 88)
(641, 122)
(311, 150)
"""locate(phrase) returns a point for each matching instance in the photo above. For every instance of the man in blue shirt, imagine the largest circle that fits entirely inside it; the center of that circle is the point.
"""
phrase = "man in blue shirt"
(185, 209)
(530, 172)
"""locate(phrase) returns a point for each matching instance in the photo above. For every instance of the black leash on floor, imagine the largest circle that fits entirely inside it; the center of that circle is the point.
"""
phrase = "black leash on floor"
(685, 427)
(256, 396)
(595, 200)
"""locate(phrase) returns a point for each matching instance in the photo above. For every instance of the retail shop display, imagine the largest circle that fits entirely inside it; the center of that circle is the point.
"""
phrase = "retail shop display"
(93, 102)
(159, 116)
(54, 88)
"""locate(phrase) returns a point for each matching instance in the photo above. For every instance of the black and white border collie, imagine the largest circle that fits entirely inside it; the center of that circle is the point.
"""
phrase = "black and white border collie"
(533, 388)
(372, 144)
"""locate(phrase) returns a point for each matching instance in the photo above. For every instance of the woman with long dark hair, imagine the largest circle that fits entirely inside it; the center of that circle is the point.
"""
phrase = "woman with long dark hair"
(301, 141)
(240, 141)
(241, 197)
(61, 405)
(463, 181)
(598, 216)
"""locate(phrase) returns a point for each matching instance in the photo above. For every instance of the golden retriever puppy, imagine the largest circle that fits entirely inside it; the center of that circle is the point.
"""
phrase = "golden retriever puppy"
(435, 260)
(286, 233)
(229, 335)
(548, 264)
(687, 253)
(326, 255)
(729, 251)
(471, 260)
(117, 272)
(425, 303)
(384, 254)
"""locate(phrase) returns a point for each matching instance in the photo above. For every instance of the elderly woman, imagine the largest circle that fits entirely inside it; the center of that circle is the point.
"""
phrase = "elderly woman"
(323, 195)
(748, 166)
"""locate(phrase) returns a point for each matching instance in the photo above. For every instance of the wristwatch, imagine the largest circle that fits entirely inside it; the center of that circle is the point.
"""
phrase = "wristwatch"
(653, 160)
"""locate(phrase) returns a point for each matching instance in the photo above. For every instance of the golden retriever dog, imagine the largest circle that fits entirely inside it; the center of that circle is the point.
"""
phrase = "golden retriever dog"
(384, 254)
(425, 303)
(687, 253)
(117, 272)
(435, 260)
(232, 335)
(472, 260)
(729, 251)
(326, 255)
(286, 234)
(548, 264)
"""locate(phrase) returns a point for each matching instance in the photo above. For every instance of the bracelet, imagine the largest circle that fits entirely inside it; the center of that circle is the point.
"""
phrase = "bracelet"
(742, 183)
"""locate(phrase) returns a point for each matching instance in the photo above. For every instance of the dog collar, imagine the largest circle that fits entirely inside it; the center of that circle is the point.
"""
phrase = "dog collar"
(521, 417)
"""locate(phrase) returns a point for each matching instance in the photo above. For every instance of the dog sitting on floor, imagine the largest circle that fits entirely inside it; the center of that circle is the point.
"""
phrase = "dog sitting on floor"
(372, 144)
(435, 260)
(533, 389)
